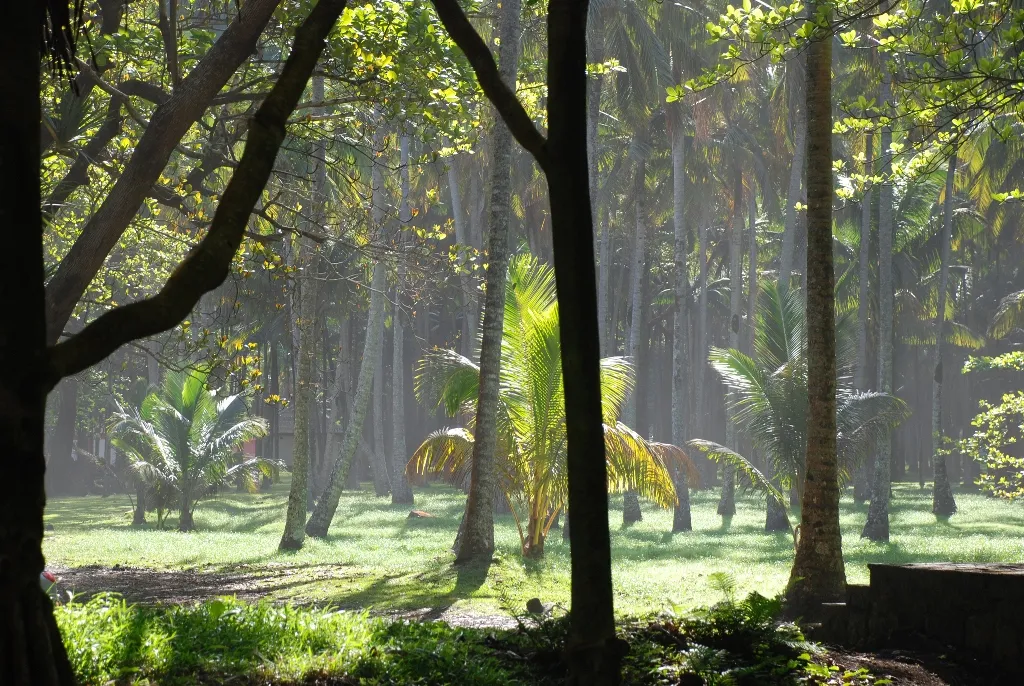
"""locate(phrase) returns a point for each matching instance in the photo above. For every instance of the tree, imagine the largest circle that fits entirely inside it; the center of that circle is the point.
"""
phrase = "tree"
(769, 392)
(594, 653)
(31, 650)
(943, 503)
(877, 525)
(186, 438)
(477, 540)
(401, 491)
(818, 573)
(531, 457)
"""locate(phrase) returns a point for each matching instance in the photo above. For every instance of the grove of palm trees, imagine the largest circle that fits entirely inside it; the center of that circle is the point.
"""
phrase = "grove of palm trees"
(581, 342)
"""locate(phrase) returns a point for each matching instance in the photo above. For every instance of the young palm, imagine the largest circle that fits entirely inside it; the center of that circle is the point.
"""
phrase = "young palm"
(187, 440)
(770, 392)
(531, 454)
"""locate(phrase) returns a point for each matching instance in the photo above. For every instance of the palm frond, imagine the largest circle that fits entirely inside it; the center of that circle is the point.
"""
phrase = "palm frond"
(675, 458)
(444, 378)
(755, 478)
(446, 453)
(634, 465)
(1009, 316)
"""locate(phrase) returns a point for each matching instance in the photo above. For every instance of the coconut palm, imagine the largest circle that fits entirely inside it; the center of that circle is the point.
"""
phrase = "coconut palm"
(769, 391)
(531, 453)
(186, 440)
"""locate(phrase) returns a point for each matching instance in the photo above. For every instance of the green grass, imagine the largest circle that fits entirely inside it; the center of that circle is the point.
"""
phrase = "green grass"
(377, 558)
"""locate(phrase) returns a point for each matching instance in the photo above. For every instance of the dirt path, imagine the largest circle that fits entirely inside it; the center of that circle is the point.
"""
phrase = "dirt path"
(148, 586)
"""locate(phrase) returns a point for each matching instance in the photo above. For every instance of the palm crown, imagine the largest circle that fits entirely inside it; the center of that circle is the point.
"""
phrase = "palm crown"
(531, 455)
(769, 392)
(183, 440)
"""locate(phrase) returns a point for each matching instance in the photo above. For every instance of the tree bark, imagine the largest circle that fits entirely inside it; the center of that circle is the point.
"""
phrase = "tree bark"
(727, 502)
(379, 459)
(631, 512)
(401, 491)
(681, 519)
(61, 472)
(943, 503)
(699, 414)
(320, 521)
(818, 574)
(169, 123)
(477, 541)
(796, 172)
(861, 486)
(31, 651)
(876, 527)
(462, 238)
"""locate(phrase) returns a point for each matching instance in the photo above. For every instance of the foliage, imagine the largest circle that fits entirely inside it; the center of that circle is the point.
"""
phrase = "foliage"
(111, 641)
(998, 429)
(531, 464)
(769, 399)
(186, 441)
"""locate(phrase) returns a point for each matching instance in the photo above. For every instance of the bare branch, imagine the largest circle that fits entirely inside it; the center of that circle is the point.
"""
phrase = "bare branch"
(209, 263)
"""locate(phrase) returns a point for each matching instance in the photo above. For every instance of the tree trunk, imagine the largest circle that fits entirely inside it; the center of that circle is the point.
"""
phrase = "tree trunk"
(61, 472)
(861, 486)
(31, 651)
(378, 459)
(727, 503)
(298, 494)
(876, 527)
(943, 504)
(401, 491)
(477, 543)
(681, 520)
(631, 512)
(699, 414)
(323, 513)
(796, 172)
(818, 573)
(467, 339)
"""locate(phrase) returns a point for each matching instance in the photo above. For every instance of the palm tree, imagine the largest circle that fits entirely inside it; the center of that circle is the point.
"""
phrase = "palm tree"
(530, 461)
(185, 439)
(769, 391)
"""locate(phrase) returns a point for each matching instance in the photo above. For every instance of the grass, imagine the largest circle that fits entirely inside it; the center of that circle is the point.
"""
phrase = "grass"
(377, 558)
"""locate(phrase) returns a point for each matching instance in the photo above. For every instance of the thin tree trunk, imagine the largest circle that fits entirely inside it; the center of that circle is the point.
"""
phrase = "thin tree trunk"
(334, 413)
(462, 238)
(861, 486)
(876, 527)
(681, 520)
(477, 542)
(631, 512)
(605, 319)
(818, 573)
(796, 174)
(943, 503)
(378, 458)
(323, 513)
(60, 471)
(298, 495)
(702, 331)
(401, 491)
(727, 503)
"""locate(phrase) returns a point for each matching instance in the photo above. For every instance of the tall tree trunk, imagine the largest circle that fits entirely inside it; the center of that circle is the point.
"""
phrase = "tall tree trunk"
(943, 504)
(462, 238)
(876, 527)
(727, 502)
(818, 573)
(298, 494)
(681, 520)
(861, 485)
(401, 491)
(477, 541)
(605, 319)
(595, 46)
(31, 651)
(631, 512)
(796, 172)
(702, 329)
(323, 513)
(334, 412)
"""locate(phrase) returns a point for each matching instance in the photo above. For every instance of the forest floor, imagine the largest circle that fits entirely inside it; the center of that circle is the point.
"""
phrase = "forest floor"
(379, 559)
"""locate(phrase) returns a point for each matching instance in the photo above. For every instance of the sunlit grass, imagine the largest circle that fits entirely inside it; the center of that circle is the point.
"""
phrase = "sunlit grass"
(376, 557)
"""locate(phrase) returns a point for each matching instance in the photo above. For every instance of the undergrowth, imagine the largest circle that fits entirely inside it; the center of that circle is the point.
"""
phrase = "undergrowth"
(734, 643)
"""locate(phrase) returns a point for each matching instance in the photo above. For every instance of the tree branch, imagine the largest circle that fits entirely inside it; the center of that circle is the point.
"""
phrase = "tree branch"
(501, 95)
(208, 264)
